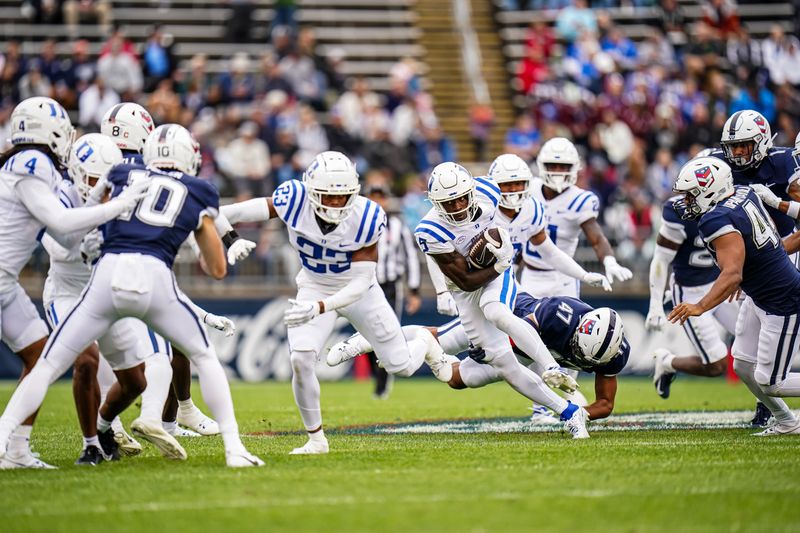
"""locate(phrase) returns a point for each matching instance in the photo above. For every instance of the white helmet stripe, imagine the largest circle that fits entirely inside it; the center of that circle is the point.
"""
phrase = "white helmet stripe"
(609, 335)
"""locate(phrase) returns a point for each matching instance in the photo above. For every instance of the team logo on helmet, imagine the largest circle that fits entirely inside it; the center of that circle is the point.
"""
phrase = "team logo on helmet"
(704, 176)
(761, 123)
(587, 326)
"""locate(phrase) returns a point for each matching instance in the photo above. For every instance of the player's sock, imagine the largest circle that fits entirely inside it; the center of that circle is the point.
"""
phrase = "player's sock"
(169, 427)
(102, 424)
(26, 399)
(526, 382)
(778, 408)
(91, 441)
(317, 436)
(522, 333)
(305, 386)
(476, 375)
(158, 373)
(666, 361)
(105, 378)
(186, 405)
(217, 395)
(19, 444)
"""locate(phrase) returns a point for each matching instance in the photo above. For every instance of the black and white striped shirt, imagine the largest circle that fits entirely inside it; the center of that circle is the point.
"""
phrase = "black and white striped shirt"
(397, 255)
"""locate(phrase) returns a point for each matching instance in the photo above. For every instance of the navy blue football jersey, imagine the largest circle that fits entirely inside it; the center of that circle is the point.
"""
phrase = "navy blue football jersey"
(173, 208)
(129, 157)
(775, 172)
(769, 277)
(557, 319)
(693, 264)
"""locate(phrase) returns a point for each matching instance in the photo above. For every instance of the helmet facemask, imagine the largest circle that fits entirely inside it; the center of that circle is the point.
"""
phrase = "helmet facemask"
(559, 180)
(742, 162)
(516, 199)
(330, 214)
(455, 217)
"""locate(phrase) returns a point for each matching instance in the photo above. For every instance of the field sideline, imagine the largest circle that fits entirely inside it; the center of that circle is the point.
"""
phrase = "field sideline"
(677, 480)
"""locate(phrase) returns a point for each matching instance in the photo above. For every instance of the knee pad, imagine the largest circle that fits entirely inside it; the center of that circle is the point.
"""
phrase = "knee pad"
(302, 361)
(496, 313)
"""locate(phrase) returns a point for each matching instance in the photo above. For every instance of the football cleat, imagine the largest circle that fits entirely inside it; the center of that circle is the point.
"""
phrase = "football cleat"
(347, 349)
(179, 431)
(153, 433)
(440, 363)
(128, 446)
(576, 424)
(761, 417)
(195, 420)
(108, 445)
(242, 459)
(312, 447)
(780, 429)
(27, 459)
(662, 377)
(543, 416)
(558, 378)
(90, 456)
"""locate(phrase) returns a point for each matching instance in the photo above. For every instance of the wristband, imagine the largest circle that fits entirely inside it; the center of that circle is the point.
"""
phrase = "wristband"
(229, 238)
(793, 210)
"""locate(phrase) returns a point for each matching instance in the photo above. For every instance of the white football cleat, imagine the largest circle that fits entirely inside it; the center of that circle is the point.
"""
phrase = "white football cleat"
(779, 429)
(195, 420)
(242, 459)
(558, 378)
(154, 433)
(179, 431)
(576, 424)
(127, 445)
(440, 363)
(347, 349)
(11, 461)
(543, 416)
(312, 447)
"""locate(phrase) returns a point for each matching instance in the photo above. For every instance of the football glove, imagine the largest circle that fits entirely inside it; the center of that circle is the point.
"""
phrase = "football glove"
(503, 253)
(300, 312)
(222, 323)
(595, 279)
(767, 196)
(615, 271)
(239, 250)
(445, 304)
(656, 319)
(90, 246)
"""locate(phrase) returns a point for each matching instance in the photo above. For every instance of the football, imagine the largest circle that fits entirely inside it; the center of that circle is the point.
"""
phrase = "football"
(478, 256)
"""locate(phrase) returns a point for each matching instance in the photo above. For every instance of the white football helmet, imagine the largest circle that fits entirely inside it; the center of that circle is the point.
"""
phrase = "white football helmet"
(510, 168)
(42, 120)
(448, 182)
(172, 147)
(128, 124)
(558, 150)
(599, 336)
(703, 182)
(331, 174)
(746, 126)
(705, 152)
(92, 156)
(796, 151)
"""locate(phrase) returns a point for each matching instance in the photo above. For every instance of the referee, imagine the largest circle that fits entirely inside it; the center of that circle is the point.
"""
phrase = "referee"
(397, 259)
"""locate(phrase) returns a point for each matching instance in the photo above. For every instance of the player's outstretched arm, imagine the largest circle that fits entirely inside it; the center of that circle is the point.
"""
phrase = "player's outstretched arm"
(730, 258)
(255, 210)
(792, 243)
(594, 234)
(559, 260)
(659, 270)
(455, 267)
(605, 392)
(790, 208)
(211, 251)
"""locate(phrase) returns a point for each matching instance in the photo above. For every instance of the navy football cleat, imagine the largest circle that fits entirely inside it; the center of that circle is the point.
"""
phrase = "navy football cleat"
(761, 416)
(90, 456)
(109, 446)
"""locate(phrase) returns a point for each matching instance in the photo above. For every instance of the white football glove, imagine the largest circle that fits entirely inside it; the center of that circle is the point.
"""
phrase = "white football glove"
(504, 253)
(656, 319)
(300, 312)
(558, 378)
(596, 279)
(132, 193)
(445, 304)
(222, 323)
(767, 196)
(90, 246)
(615, 271)
(239, 250)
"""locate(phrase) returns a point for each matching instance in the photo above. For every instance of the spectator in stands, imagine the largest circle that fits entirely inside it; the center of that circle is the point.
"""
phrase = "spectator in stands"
(532, 70)
(98, 11)
(782, 56)
(540, 36)
(119, 38)
(481, 122)
(754, 96)
(284, 163)
(616, 137)
(93, 104)
(742, 50)
(434, 148)
(336, 77)
(48, 62)
(703, 51)
(34, 83)
(620, 48)
(351, 106)
(406, 75)
(721, 15)
(282, 41)
(339, 138)
(661, 175)
(120, 72)
(157, 62)
(14, 66)
(307, 46)
(307, 83)
(246, 161)
(673, 22)
(284, 15)
(656, 50)
(311, 137)
(269, 78)
(574, 20)
(523, 139)
(164, 104)
(240, 21)
(43, 11)
(79, 70)
(700, 129)
(195, 84)
(237, 85)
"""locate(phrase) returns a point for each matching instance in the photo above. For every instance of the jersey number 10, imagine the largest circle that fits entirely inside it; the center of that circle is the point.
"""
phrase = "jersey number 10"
(163, 202)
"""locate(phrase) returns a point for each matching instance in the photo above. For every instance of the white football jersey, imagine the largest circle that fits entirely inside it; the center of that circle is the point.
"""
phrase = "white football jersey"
(19, 230)
(68, 274)
(529, 221)
(564, 215)
(326, 257)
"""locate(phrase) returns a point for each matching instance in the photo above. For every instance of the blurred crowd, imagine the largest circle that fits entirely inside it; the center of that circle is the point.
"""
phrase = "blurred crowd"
(638, 110)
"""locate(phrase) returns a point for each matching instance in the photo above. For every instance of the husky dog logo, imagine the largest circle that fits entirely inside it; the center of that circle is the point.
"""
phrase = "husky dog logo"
(587, 327)
(704, 176)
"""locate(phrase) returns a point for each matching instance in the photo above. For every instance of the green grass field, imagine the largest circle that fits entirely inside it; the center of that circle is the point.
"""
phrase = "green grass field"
(675, 480)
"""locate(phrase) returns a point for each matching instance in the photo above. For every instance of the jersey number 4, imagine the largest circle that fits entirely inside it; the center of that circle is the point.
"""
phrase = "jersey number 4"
(763, 230)
(163, 202)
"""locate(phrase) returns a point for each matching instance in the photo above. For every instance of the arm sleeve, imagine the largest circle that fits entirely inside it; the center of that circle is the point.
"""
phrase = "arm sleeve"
(363, 276)
(587, 206)
(437, 277)
(255, 210)
(412, 260)
(560, 260)
(60, 221)
(659, 269)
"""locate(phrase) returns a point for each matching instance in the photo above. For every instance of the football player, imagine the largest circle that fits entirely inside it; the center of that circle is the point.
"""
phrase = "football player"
(335, 232)
(41, 135)
(133, 277)
(463, 209)
(578, 336)
(745, 243)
